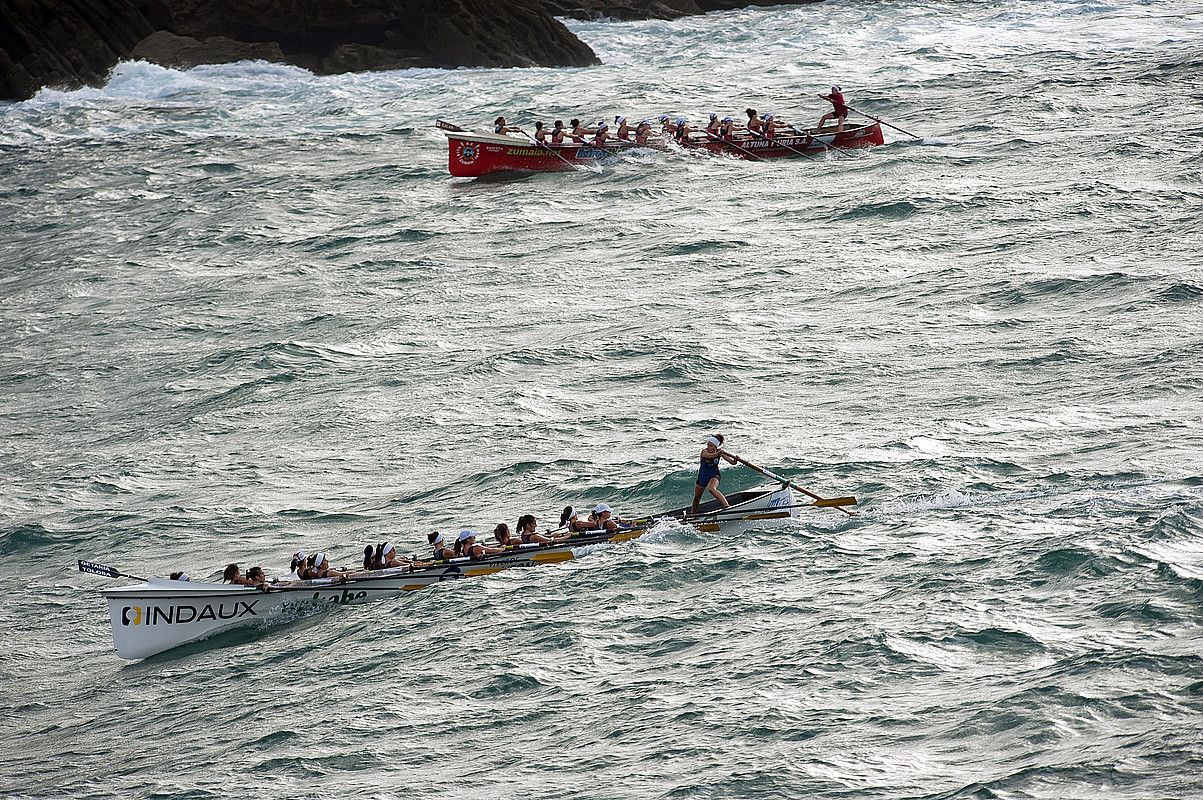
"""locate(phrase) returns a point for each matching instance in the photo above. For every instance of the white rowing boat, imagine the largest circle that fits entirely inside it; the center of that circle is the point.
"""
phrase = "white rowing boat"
(160, 614)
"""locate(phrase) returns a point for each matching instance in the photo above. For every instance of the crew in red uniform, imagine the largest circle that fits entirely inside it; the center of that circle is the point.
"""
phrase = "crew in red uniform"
(840, 112)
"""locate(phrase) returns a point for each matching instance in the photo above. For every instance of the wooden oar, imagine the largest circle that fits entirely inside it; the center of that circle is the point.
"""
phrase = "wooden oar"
(883, 122)
(792, 485)
(786, 146)
(93, 568)
(547, 147)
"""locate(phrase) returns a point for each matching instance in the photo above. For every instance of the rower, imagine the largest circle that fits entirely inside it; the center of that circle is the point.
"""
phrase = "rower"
(599, 139)
(466, 545)
(708, 472)
(234, 576)
(839, 110)
(503, 536)
(579, 132)
(441, 551)
(712, 129)
(526, 532)
(642, 131)
(298, 564)
(727, 131)
(667, 127)
(624, 130)
(257, 577)
(603, 518)
(755, 126)
(382, 556)
(557, 132)
(568, 519)
(771, 125)
(317, 566)
(540, 134)
(501, 129)
(682, 130)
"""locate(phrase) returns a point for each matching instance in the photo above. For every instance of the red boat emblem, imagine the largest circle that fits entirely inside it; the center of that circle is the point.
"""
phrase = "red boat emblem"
(466, 153)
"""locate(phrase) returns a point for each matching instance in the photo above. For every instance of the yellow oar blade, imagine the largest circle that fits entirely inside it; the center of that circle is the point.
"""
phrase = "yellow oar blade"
(835, 502)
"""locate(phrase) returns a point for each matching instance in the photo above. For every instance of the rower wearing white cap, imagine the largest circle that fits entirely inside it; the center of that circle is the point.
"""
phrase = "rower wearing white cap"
(708, 472)
(383, 556)
(298, 564)
(603, 132)
(838, 112)
(466, 545)
(318, 566)
(642, 131)
(667, 126)
(624, 130)
(771, 124)
(712, 128)
(439, 545)
(727, 131)
(682, 129)
(603, 518)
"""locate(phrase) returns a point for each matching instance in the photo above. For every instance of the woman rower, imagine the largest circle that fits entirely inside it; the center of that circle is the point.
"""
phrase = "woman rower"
(568, 519)
(526, 532)
(727, 131)
(501, 129)
(317, 566)
(714, 126)
(234, 576)
(557, 132)
(667, 126)
(682, 130)
(624, 130)
(755, 125)
(602, 517)
(382, 556)
(503, 536)
(466, 545)
(708, 472)
(579, 132)
(599, 139)
(540, 133)
(441, 551)
(642, 131)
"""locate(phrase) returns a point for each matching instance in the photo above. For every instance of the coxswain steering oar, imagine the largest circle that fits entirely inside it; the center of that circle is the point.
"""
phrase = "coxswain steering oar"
(883, 122)
(448, 126)
(93, 568)
(793, 485)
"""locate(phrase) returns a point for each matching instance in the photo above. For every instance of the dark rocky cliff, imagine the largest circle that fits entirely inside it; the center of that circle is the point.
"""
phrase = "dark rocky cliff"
(73, 42)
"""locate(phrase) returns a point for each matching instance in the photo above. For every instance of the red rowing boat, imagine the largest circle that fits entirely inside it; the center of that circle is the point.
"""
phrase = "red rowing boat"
(472, 155)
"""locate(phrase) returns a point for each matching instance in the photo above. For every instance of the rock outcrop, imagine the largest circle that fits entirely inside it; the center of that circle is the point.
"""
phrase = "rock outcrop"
(73, 42)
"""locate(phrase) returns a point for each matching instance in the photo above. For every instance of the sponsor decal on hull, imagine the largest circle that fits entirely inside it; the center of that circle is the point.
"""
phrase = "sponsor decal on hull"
(183, 614)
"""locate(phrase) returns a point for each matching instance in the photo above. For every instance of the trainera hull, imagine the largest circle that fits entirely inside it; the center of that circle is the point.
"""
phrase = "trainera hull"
(475, 155)
(159, 615)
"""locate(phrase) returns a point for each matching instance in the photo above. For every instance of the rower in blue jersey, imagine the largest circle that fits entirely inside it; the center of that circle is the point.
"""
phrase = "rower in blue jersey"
(708, 473)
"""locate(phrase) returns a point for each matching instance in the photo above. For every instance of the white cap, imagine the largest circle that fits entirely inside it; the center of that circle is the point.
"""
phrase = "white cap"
(438, 539)
(767, 117)
(298, 555)
(183, 577)
(318, 560)
(664, 117)
(601, 508)
(713, 115)
(680, 120)
(728, 119)
(602, 125)
(835, 88)
(646, 122)
(714, 441)
(465, 535)
(388, 548)
(619, 119)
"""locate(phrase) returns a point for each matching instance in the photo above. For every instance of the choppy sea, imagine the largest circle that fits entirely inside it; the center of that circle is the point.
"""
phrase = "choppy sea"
(245, 310)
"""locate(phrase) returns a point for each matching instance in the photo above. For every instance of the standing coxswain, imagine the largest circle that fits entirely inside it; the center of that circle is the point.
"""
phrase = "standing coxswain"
(838, 112)
(708, 472)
